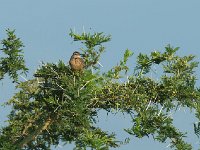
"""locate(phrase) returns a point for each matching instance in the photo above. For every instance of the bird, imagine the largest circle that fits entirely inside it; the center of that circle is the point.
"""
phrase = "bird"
(76, 62)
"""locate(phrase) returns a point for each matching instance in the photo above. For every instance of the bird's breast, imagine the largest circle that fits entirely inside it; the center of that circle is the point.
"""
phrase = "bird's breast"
(76, 64)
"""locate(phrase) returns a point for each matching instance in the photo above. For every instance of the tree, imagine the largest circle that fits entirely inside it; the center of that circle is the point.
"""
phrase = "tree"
(61, 105)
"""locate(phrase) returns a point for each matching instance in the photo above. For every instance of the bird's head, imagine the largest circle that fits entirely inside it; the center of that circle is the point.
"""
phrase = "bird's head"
(76, 54)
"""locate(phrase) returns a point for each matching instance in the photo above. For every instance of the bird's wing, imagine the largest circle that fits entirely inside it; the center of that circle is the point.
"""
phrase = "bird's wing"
(82, 62)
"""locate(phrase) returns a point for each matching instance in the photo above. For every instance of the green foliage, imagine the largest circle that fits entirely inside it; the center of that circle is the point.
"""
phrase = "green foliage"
(90, 40)
(61, 105)
(116, 71)
(13, 60)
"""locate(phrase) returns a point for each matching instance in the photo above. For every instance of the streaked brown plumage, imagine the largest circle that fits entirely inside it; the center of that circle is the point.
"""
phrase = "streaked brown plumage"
(76, 62)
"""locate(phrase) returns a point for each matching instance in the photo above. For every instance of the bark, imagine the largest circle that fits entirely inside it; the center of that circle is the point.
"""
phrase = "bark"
(30, 137)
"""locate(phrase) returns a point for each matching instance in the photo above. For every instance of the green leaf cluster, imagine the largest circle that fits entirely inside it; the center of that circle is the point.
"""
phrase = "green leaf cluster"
(12, 60)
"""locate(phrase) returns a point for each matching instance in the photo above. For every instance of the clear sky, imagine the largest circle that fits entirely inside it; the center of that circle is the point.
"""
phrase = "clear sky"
(142, 26)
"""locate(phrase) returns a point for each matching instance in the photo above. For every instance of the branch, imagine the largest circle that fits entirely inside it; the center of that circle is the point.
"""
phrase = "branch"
(34, 134)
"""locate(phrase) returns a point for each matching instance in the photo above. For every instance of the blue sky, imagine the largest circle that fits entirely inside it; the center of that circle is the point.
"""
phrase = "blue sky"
(142, 26)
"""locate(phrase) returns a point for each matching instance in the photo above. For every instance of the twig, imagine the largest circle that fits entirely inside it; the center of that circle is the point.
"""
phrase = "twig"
(92, 70)
(74, 30)
(127, 79)
(87, 83)
(74, 80)
(99, 63)
(148, 105)
(68, 97)
(23, 77)
(54, 71)
(83, 30)
(160, 111)
(168, 145)
(78, 93)
(60, 87)
(56, 108)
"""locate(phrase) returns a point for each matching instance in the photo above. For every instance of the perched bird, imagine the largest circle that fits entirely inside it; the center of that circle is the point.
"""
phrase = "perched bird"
(76, 62)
